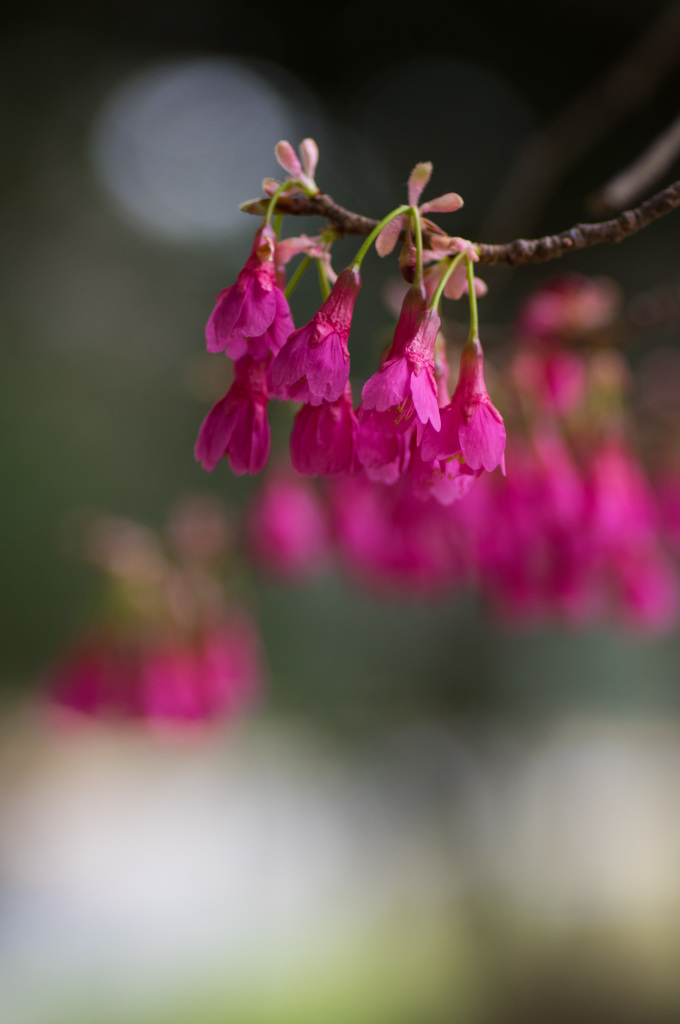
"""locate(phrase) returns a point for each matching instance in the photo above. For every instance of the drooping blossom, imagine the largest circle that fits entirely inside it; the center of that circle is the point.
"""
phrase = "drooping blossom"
(553, 378)
(383, 457)
(159, 676)
(237, 425)
(568, 305)
(166, 648)
(403, 390)
(286, 527)
(313, 365)
(445, 480)
(623, 531)
(390, 539)
(252, 316)
(471, 426)
(323, 437)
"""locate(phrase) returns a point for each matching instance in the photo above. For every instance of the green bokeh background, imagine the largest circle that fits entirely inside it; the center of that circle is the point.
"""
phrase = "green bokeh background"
(104, 382)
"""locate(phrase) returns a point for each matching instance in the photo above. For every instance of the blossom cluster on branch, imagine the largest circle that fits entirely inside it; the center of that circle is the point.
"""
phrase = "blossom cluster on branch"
(578, 533)
(575, 533)
(407, 424)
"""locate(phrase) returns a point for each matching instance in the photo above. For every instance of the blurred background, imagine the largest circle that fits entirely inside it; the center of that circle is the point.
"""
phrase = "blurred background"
(427, 815)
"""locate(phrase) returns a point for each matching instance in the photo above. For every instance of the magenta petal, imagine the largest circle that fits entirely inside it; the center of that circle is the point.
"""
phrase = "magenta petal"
(383, 456)
(258, 310)
(322, 439)
(278, 332)
(442, 444)
(223, 317)
(424, 394)
(247, 309)
(482, 440)
(290, 365)
(214, 434)
(328, 369)
(251, 440)
(388, 387)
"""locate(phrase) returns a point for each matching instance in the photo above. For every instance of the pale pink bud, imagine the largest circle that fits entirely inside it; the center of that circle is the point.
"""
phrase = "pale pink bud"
(309, 151)
(448, 203)
(389, 236)
(418, 179)
(286, 156)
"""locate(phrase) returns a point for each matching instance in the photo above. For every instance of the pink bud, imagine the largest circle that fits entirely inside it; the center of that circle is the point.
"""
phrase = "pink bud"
(389, 236)
(448, 203)
(286, 156)
(309, 151)
(418, 179)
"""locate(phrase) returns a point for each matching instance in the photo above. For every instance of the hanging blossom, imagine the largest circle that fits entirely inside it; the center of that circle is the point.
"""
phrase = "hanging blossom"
(252, 317)
(323, 438)
(404, 387)
(472, 429)
(286, 527)
(313, 365)
(237, 427)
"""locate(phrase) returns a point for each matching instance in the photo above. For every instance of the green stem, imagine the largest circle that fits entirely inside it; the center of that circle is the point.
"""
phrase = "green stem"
(472, 294)
(295, 277)
(323, 280)
(415, 216)
(356, 262)
(435, 300)
(273, 201)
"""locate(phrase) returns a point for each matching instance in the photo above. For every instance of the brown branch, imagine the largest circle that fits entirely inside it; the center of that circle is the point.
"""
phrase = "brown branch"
(582, 236)
(521, 250)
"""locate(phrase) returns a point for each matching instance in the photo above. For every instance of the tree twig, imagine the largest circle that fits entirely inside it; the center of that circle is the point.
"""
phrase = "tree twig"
(623, 88)
(631, 183)
(521, 250)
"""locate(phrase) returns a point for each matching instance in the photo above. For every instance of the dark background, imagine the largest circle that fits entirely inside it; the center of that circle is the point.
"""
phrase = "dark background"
(435, 706)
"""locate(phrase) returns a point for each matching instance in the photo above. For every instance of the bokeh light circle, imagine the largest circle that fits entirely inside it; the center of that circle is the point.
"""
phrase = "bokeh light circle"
(179, 145)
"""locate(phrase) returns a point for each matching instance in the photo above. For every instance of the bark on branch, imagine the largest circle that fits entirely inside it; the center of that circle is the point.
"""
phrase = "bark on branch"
(521, 250)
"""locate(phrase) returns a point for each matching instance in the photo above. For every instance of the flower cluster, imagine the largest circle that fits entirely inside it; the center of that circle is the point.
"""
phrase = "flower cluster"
(407, 427)
(167, 648)
(577, 533)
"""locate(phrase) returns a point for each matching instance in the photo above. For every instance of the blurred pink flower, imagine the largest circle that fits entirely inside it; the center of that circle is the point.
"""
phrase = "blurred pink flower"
(287, 530)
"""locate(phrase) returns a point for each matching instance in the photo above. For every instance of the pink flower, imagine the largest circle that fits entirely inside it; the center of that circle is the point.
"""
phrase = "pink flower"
(569, 305)
(471, 427)
(162, 677)
(391, 540)
(404, 387)
(384, 457)
(444, 480)
(287, 530)
(252, 316)
(237, 426)
(313, 365)
(322, 439)
(231, 665)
